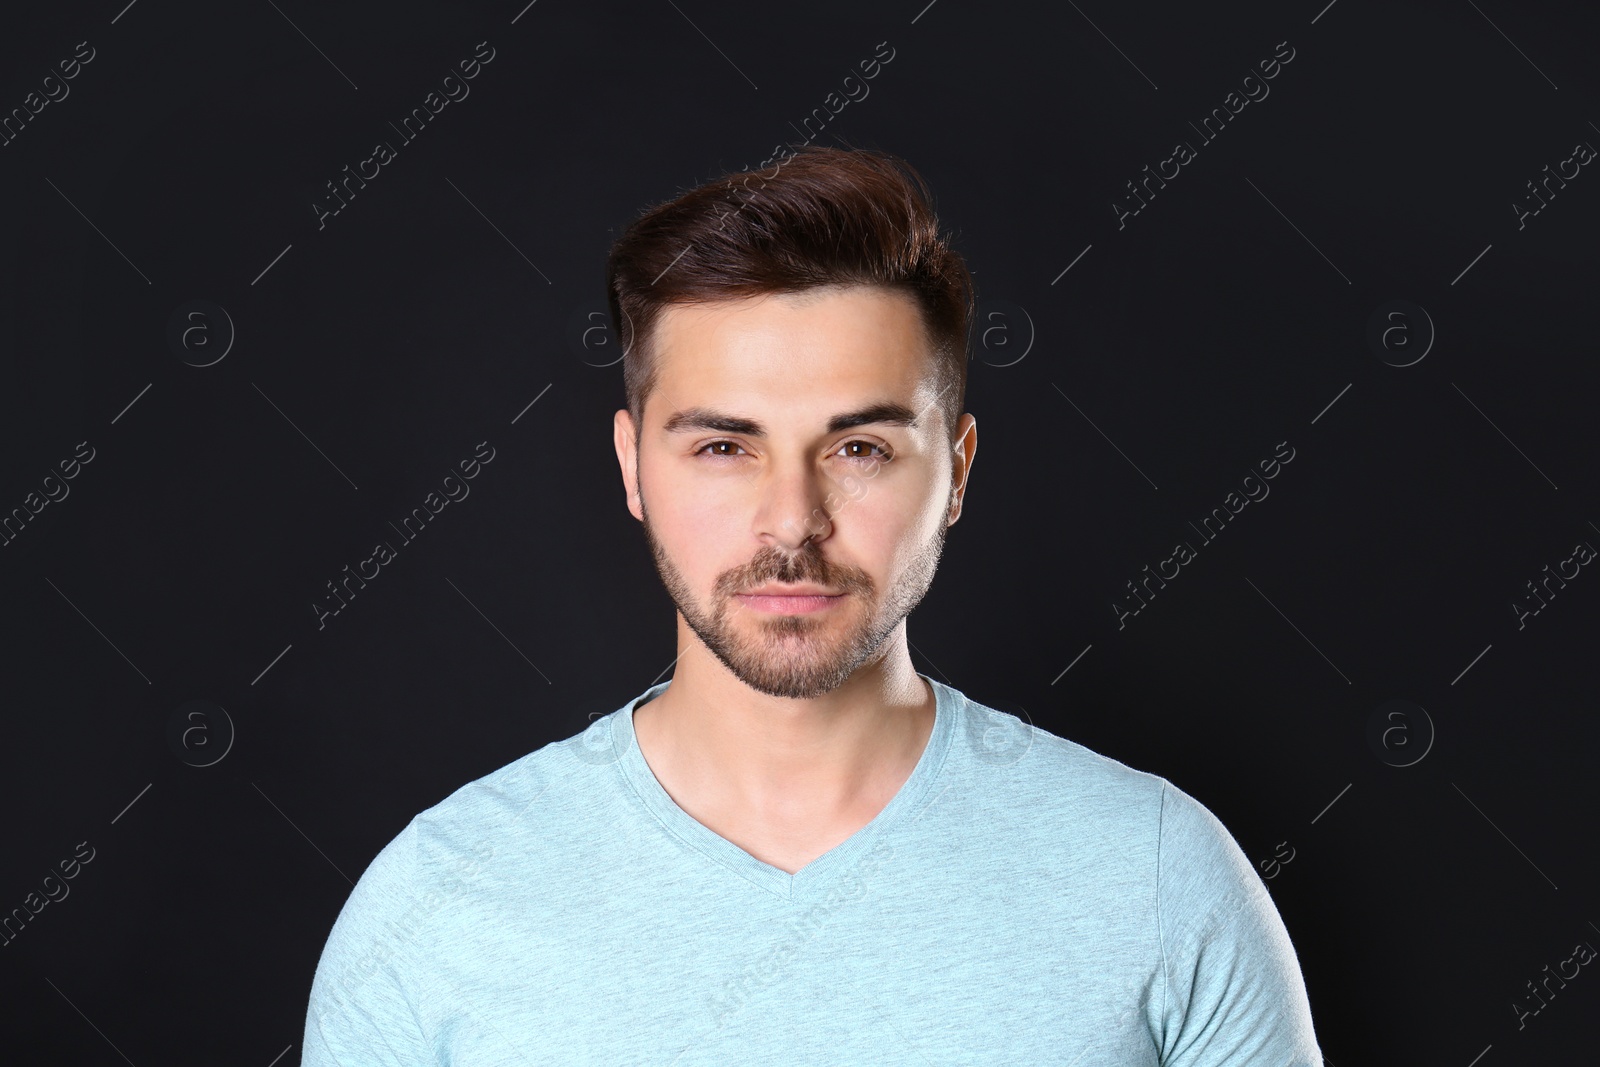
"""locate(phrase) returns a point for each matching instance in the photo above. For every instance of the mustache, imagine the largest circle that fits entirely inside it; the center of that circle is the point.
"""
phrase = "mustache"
(807, 565)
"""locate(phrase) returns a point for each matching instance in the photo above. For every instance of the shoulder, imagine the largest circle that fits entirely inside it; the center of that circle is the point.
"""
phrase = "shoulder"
(1013, 756)
(540, 804)
(1207, 883)
(507, 828)
(1054, 775)
(1201, 862)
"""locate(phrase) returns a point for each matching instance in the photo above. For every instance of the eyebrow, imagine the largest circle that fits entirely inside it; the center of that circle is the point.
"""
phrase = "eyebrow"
(699, 418)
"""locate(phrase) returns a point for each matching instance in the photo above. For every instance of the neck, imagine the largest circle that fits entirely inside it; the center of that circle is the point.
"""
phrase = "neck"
(784, 760)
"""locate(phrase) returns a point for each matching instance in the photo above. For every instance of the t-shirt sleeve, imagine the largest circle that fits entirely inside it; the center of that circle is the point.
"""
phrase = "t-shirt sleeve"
(365, 993)
(1234, 993)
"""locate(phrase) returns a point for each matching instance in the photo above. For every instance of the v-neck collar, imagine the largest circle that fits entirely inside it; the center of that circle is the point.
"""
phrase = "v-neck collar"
(634, 768)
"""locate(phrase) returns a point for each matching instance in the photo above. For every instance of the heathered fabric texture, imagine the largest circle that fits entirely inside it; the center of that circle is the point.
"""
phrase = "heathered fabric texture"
(1020, 900)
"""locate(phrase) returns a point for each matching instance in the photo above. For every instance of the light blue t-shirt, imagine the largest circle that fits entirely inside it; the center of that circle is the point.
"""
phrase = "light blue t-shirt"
(1020, 900)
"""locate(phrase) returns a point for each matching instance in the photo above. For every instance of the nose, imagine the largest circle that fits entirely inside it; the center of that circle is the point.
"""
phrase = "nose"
(793, 505)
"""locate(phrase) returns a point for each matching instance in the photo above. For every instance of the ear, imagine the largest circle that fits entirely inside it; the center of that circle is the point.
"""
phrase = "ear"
(964, 450)
(626, 441)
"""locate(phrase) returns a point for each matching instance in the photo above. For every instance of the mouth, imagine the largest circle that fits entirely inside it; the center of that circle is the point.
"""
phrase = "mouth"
(789, 603)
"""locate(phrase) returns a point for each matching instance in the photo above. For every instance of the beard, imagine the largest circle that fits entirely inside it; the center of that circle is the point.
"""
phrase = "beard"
(797, 656)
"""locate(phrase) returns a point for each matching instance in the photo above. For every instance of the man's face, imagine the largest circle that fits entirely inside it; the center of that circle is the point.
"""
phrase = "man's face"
(742, 482)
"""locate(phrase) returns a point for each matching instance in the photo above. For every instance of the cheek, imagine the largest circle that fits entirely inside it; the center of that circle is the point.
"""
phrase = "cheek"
(886, 526)
(909, 504)
(694, 523)
(690, 528)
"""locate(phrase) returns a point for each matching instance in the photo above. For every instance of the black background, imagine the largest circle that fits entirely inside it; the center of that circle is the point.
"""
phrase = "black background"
(1117, 402)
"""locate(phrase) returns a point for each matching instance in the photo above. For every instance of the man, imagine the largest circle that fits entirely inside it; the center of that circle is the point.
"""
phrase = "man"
(800, 849)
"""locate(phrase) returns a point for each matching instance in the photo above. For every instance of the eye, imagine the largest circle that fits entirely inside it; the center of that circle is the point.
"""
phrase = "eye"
(876, 452)
(882, 453)
(717, 444)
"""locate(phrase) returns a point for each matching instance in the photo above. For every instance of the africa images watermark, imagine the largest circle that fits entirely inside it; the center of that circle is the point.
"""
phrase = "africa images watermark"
(1582, 554)
(1183, 553)
(384, 153)
(55, 890)
(798, 931)
(1184, 153)
(404, 931)
(589, 328)
(832, 105)
(854, 485)
(1582, 153)
(1582, 954)
(12, 125)
(383, 553)
(55, 491)
(1249, 898)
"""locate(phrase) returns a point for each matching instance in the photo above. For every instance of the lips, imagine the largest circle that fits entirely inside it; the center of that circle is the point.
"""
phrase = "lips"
(789, 602)
(795, 590)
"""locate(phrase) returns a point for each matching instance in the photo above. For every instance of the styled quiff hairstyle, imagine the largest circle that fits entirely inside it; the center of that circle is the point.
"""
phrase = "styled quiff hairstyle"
(822, 217)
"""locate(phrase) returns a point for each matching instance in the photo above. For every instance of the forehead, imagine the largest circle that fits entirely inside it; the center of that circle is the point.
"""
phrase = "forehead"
(793, 357)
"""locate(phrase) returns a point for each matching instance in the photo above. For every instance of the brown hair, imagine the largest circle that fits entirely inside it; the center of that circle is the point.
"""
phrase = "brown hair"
(825, 217)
